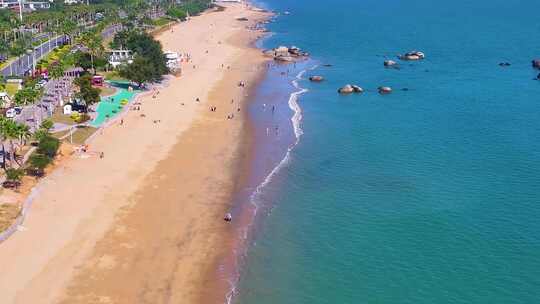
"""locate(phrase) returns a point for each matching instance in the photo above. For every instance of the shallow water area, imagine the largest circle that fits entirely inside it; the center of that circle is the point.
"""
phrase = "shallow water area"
(428, 194)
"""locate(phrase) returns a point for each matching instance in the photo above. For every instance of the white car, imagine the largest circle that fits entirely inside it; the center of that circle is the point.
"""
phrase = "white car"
(11, 113)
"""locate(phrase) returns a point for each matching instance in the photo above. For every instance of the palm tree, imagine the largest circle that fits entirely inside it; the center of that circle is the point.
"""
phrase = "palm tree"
(11, 134)
(68, 27)
(94, 44)
(23, 132)
(3, 137)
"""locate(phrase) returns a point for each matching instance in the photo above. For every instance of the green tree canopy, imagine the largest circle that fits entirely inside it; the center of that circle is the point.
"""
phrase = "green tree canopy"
(149, 63)
(89, 94)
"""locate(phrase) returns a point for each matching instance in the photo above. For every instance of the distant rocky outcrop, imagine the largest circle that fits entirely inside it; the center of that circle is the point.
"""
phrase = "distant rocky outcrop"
(390, 63)
(286, 54)
(348, 89)
(384, 90)
(357, 89)
(414, 55)
(316, 78)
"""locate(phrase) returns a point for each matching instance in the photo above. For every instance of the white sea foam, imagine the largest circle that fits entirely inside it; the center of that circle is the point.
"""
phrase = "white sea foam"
(296, 120)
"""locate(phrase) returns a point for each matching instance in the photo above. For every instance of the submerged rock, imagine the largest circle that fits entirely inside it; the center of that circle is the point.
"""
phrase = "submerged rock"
(414, 55)
(384, 90)
(357, 89)
(347, 89)
(390, 63)
(316, 78)
(536, 63)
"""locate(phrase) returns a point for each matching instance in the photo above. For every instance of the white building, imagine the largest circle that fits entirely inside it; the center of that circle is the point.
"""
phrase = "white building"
(117, 57)
(26, 5)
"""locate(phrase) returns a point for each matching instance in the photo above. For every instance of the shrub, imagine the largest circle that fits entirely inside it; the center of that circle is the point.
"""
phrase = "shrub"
(48, 146)
(38, 163)
(14, 175)
(82, 118)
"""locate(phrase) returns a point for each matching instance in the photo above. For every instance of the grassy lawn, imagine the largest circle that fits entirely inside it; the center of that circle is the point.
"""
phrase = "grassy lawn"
(59, 117)
(80, 135)
(113, 75)
(107, 91)
(7, 62)
(161, 21)
(11, 89)
(60, 134)
(8, 213)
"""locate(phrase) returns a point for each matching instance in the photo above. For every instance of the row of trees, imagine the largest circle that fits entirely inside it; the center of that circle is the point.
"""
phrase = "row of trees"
(47, 148)
(191, 7)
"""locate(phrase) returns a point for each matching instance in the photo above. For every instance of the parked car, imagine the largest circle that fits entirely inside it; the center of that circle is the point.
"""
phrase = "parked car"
(11, 113)
(18, 110)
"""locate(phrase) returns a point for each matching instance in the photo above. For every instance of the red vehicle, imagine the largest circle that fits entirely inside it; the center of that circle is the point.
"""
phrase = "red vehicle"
(98, 80)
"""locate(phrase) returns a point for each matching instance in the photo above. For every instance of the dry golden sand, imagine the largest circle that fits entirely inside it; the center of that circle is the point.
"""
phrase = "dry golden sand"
(144, 224)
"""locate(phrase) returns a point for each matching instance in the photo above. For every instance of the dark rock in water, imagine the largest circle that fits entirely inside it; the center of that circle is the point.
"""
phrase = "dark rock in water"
(384, 90)
(414, 55)
(536, 64)
(538, 77)
(347, 89)
(357, 89)
(405, 89)
(316, 78)
(327, 65)
(390, 63)
(504, 64)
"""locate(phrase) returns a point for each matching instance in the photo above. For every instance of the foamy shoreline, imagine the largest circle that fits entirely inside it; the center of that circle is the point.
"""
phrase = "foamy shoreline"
(144, 223)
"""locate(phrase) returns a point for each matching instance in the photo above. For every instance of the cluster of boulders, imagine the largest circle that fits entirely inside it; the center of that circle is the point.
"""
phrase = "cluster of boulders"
(350, 88)
(414, 55)
(286, 54)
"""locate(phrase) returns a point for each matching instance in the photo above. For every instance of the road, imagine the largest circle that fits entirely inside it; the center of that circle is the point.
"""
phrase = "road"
(23, 64)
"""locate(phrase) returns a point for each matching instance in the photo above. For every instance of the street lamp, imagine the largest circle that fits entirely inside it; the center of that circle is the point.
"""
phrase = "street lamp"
(20, 10)
(30, 53)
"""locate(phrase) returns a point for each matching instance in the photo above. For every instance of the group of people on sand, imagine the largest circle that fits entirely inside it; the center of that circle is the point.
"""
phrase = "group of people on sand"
(85, 149)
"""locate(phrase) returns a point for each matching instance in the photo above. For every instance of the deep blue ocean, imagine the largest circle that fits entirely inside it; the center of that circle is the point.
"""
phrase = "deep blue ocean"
(429, 195)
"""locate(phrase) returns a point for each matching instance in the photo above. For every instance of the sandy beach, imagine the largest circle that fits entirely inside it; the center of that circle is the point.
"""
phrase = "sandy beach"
(144, 224)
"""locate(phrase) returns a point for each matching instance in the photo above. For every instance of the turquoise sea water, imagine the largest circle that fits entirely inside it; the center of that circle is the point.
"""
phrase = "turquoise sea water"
(430, 195)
